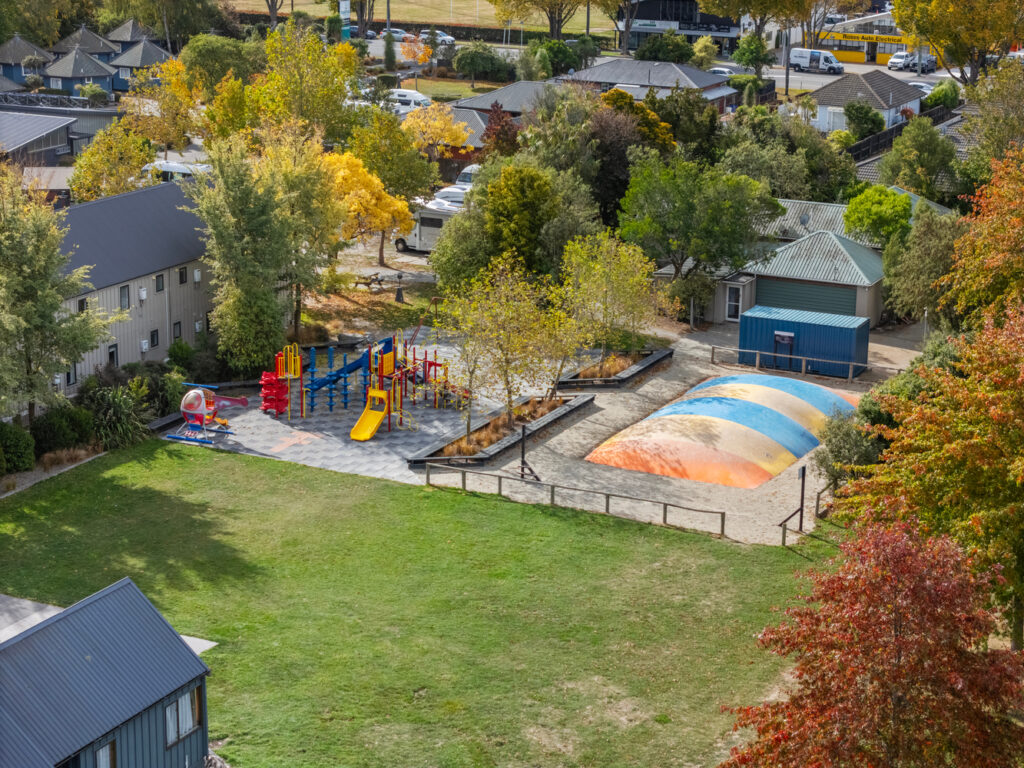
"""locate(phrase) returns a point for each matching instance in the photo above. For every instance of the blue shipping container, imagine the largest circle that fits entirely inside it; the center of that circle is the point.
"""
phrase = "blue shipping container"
(776, 332)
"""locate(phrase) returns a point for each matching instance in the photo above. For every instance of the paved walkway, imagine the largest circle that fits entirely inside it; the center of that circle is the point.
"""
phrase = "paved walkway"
(17, 615)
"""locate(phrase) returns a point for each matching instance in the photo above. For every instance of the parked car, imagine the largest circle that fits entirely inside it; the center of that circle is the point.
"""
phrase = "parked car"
(811, 60)
(370, 35)
(721, 71)
(404, 101)
(399, 35)
(925, 88)
(441, 37)
(465, 178)
(908, 60)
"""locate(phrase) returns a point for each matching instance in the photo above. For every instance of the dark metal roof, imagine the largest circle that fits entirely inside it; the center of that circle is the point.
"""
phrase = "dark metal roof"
(77, 64)
(19, 128)
(130, 32)
(85, 39)
(516, 98)
(81, 673)
(879, 89)
(143, 54)
(126, 236)
(17, 48)
(661, 74)
(476, 124)
(823, 257)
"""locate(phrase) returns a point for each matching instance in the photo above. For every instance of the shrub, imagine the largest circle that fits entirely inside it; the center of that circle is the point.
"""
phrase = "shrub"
(863, 121)
(841, 139)
(335, 281)
(561, 56)
(81, 423)
(118, 415)
(946, 93)
(387, 81)
(168, 396)
(3, 464)
(844, 446)
(441, 72)
(34, 82)
(51, 432)
(698, 286)
(666, 47)
(181, 355)
(18, 448)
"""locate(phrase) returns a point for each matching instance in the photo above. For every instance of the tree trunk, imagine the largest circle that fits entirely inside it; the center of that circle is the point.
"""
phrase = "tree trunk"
(380, 252)
(1017, 624)
(627, 26)
(554, 28)
(297, 311)
(272, 10)
(167, 30)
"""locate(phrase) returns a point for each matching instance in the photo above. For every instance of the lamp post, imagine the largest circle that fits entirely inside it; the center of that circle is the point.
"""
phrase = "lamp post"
(399, 294)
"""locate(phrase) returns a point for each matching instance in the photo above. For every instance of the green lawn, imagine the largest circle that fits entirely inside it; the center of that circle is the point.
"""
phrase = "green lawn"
(448, 90)
(366, 623)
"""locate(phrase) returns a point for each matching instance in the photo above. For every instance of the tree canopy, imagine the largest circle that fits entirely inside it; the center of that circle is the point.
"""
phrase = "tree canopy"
(920, 160)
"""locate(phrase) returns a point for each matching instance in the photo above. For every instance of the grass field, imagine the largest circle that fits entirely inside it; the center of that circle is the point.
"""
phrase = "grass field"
(441, 12)
(448, 90)
(365, 623)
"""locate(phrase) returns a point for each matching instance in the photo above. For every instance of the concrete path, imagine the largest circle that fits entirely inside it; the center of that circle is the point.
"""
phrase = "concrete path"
(17, 615)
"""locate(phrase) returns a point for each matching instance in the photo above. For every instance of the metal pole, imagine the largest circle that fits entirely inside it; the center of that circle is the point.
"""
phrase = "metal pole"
(522, 451)
(803, 485)
(428, 474)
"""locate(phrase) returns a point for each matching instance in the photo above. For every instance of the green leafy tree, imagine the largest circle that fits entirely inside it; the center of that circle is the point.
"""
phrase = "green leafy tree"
(388, 152)
(879, 214)
(847, 448)
(783, 171)
(587, 49)
(920, 158)
(208, 59)
(562, 57)
(693, 218)
(519, 202)
(997, 120)
(752, 52)
(862, 120)
(112, 164)
(246, 248)
(946, 93)
(40, 336)
(696, 124)
(704, 52)
(665, 47)
(655, 133)
(478, 59)
(926, 256)
(761, 12)
(390, 58)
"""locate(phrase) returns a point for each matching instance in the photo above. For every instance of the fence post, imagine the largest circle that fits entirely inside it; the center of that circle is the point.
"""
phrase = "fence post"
(757, 361)
(499, 485)
(428, 473)
(712, 354)
(803, 366)
(783, 534)
(664, 513)
(721, 516)
(552, 494)
(463, 473)
(607, 504)
(850, 376)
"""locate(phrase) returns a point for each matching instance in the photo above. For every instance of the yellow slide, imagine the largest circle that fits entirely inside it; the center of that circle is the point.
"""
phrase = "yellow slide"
(370, 420)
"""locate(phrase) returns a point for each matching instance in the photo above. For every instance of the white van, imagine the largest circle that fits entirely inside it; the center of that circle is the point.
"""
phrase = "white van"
(807, 59)
(427, 229)
(403, 100)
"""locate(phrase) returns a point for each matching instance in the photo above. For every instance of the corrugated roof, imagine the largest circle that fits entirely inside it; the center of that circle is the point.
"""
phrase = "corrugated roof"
(81, 673)
(134, 234)
(663, 74)
(78, 64)
(19, 128)
(476, 124)
(804, 316)
(9, 86)
(516, 97)
(85, 39)
(823, 257)
(129, 32)
(879, 89)
(792, 225)
(143, 54)
(17, 48)
(915, 199)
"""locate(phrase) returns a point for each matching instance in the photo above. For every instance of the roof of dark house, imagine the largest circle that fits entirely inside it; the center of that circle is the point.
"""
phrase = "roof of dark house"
(660, 74)
(142, 54)
(138, 233)
(17, 48)
(823, 257)
(129, 32)
(515, 98)
(82, 672)
(85, 39)
(78, 64)
(879, 89)
(9, 86)
(476, 124)
(18, 128)
(805, 216)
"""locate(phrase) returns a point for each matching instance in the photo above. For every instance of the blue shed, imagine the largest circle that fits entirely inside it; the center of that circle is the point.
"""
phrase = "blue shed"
(784, 336)
(106, 683)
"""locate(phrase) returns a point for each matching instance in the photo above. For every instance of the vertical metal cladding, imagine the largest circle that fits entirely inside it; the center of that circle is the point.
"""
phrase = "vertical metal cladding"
(842, 339)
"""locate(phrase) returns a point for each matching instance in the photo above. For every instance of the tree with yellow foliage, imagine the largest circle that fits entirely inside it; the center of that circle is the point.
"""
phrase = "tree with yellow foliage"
(417, 50)
(111, 164)
(369, 209)
(434, 132)
(162, 107)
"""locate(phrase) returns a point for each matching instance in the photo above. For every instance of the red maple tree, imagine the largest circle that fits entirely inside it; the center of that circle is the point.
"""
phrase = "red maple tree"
(892, 665)
(501, 136)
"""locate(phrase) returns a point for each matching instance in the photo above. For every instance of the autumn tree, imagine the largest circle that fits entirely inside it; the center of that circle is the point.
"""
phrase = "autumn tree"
(467, 322)
(112, 164)
(892, 665)
(693, 218)
(416, 51)
(988, 263)
(388, 153)
(369, 209)
(920, 159)
(40, 336)
(434, 132)
(964, 34)
(655, 133)
(501, 136)
(996, 121)
(162, 107)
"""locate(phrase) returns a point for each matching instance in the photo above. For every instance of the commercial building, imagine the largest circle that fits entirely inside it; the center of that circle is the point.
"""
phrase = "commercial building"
(869, 39)
(683, 17)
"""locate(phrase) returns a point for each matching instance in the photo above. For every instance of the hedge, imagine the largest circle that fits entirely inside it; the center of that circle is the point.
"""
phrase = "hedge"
(18, 448)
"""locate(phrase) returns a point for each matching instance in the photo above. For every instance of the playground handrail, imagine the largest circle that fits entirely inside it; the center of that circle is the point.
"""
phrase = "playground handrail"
(608, 496)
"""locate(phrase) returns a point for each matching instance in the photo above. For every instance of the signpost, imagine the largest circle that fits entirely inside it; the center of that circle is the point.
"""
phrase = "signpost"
(345, 12)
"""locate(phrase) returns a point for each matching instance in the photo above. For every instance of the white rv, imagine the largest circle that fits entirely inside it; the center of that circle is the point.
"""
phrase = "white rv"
(427, 229)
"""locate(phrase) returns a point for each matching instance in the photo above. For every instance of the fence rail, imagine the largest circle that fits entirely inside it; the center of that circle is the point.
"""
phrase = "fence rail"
(760, 355)
(551, 490)
(883, 140)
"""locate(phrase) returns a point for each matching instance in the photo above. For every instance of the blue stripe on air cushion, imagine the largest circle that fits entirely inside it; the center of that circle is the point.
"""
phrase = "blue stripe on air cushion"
(824, 400)
(772, 424)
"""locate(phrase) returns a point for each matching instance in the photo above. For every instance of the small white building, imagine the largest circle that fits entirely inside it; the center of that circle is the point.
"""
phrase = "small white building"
(880, 90)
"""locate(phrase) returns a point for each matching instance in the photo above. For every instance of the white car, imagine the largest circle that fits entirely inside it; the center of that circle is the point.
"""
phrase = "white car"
(466, 175)
(721, 71)
(925, 88)
(441, 37)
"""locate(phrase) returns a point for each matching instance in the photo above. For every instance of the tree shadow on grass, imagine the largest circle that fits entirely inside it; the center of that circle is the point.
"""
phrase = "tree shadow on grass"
(74, 534)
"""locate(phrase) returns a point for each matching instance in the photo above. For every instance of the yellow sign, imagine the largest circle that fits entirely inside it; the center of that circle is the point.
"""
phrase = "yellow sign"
(866, 38)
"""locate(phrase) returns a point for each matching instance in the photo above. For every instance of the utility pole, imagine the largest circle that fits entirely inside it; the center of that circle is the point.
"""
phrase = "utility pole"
(588, 18)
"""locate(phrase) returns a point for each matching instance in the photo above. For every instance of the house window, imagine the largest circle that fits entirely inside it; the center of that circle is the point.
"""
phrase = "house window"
(71, 377)
(154, 339)
(83, 304)
(124, 73)
(182, 275)
(159, 283)
(106, 756)
(112, 354)
(88, 79)
(126, 297)
(55, 83)
(733, 299)
(182, 716)
(176, 330)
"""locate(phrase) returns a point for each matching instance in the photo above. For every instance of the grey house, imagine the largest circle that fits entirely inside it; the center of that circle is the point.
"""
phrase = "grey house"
(636, 77)
(15, 51)
(144, 251)
(106, 683)
(128, 34)
(76, 69)
(141, 55)
(30, 139)
(515, 98)
(88, 41)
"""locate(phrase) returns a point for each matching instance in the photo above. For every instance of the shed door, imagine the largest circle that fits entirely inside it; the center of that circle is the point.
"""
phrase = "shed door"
(788, 294)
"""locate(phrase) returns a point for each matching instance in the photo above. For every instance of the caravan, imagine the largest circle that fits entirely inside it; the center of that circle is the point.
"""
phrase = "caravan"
(427, 229)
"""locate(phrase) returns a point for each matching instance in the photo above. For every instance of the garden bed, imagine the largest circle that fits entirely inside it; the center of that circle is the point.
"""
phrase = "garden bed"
(497, 436)
(646, 359)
